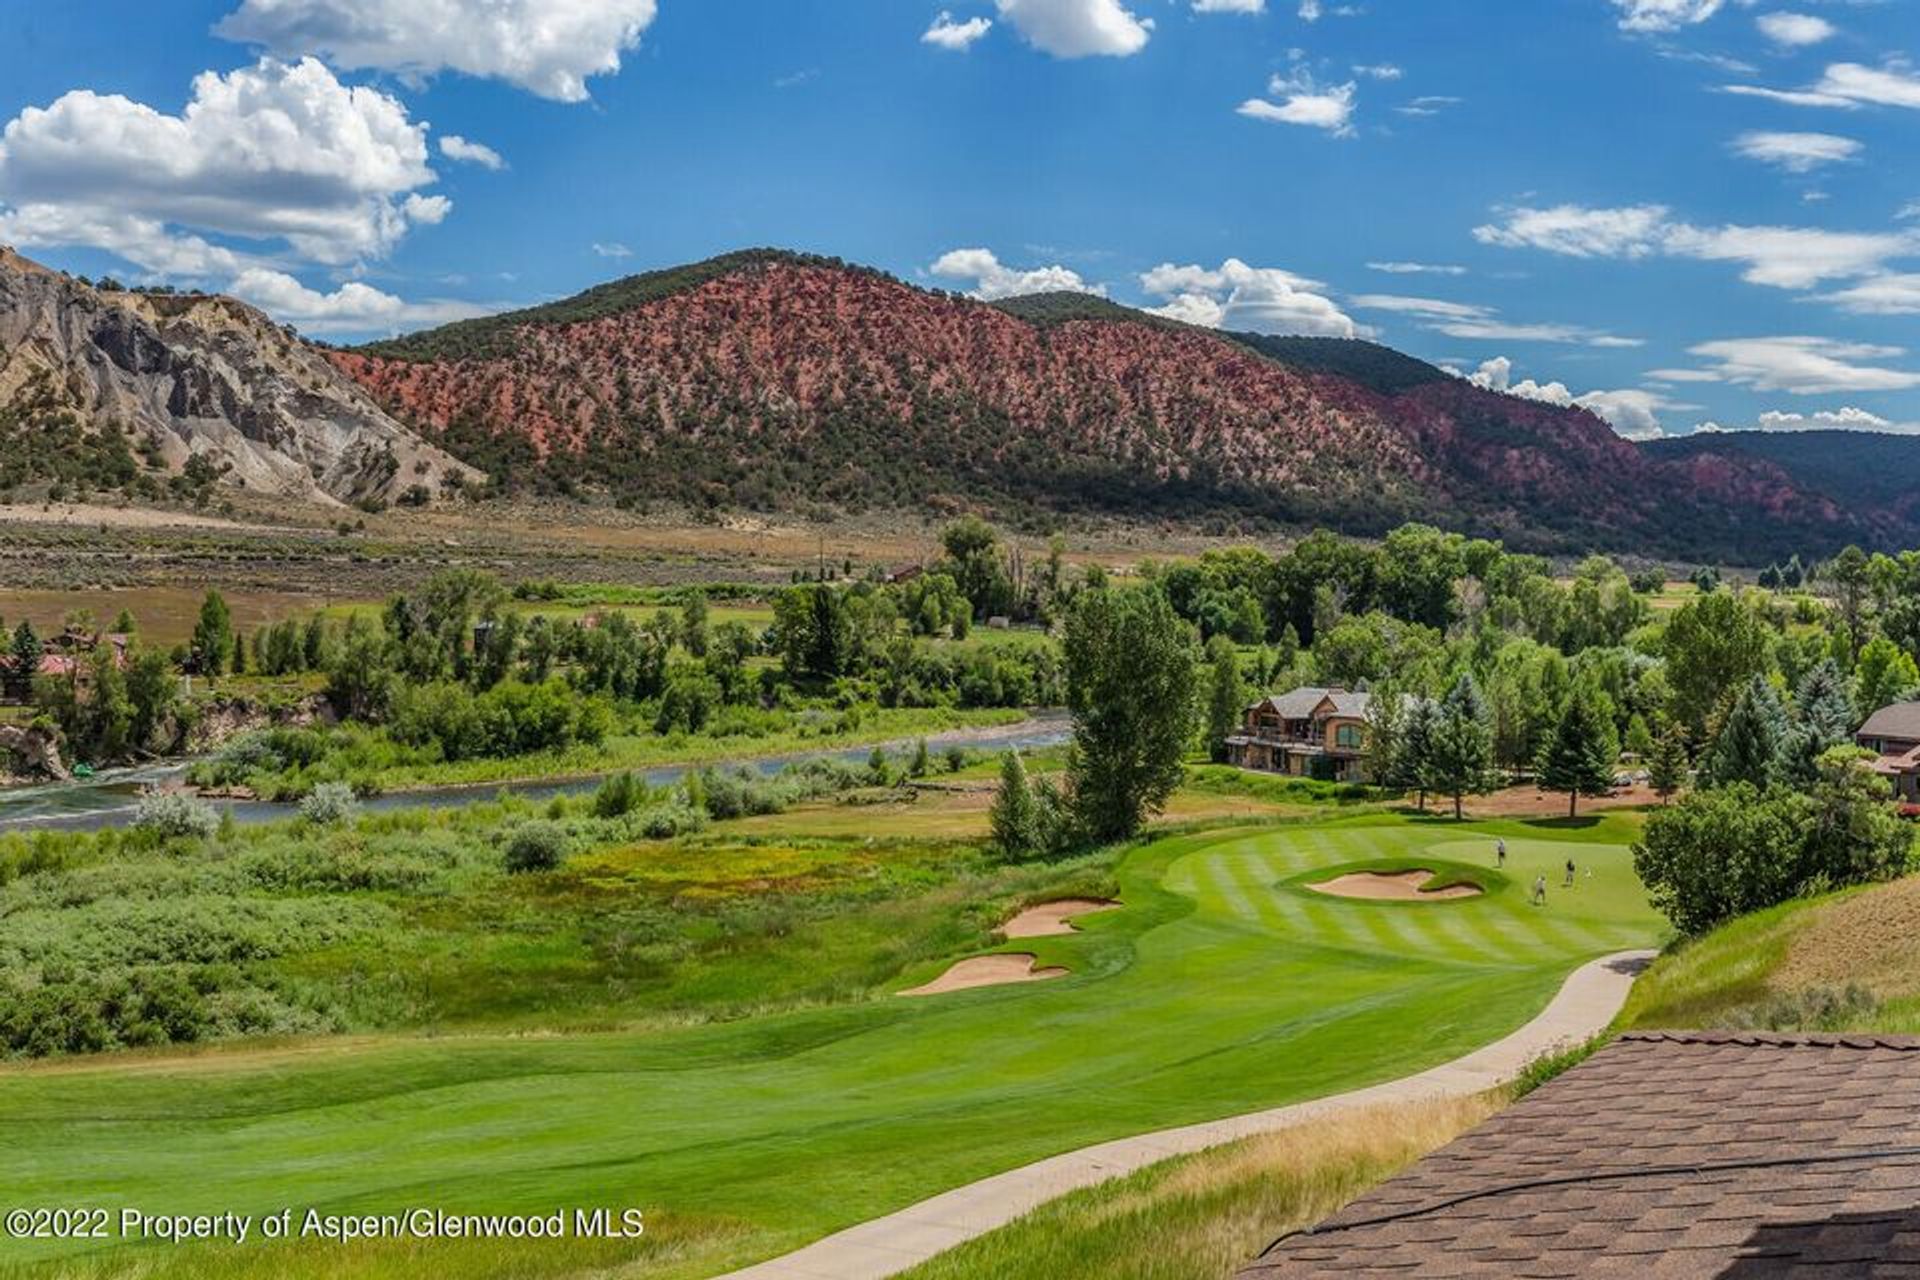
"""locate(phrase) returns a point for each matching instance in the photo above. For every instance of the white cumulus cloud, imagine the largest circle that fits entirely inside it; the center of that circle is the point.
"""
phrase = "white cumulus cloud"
(1631, 412)
(1303, 102)
(1229, 6)
(276, 154)
(352, 308)
(1237, 296)
(612, 249)
(465, 150)
(949, 33)
(548, 47)
(1077, 28)
(1794, 30)
(993, 280)
(1847, 418)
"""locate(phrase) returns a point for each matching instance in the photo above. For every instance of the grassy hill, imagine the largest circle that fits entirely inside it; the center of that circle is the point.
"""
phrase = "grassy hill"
(1845, 962)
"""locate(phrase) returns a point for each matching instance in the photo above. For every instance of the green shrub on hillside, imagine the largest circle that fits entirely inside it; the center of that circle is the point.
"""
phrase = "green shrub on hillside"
(1730, 850)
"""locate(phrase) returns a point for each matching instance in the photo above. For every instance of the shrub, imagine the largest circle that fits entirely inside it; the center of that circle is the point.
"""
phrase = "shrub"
(171, 814)
(619, 795)
(536, 846)
(1731, 850)
(676, 817)
(330, 804)
(1815, 1009)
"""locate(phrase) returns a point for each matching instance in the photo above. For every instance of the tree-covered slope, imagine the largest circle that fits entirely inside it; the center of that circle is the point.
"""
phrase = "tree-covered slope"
(1860, 470)
(771, 380)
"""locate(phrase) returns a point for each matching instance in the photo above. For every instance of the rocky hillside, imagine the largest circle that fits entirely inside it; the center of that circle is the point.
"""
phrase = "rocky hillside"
(772, 380)
(165, 378)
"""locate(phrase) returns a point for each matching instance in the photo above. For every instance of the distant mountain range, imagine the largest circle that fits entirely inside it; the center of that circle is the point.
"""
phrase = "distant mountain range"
(777, 381)
(1875, 474)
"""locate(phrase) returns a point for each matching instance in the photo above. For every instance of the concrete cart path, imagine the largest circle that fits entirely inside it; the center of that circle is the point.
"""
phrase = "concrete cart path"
(883, 1247)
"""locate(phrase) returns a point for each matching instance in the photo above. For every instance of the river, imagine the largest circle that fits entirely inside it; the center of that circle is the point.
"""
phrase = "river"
(108, 798)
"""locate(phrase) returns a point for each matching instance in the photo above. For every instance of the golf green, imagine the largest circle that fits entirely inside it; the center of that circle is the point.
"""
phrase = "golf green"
(1222, 985)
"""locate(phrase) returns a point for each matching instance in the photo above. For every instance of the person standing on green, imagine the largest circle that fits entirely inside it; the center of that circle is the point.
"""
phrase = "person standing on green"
(1540, 890)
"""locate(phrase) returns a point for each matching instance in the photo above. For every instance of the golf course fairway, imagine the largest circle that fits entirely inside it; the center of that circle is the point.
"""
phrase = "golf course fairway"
(1223, 984)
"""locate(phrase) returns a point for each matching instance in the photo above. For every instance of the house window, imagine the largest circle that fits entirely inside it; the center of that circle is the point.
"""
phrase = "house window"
(1346, 737)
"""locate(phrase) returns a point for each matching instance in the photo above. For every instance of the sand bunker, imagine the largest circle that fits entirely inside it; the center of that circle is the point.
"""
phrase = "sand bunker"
(985, 971)
(1396, 886)
(1051, 918)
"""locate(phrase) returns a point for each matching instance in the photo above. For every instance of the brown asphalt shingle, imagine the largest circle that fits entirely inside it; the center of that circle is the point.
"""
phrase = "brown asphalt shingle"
(1665, 1156)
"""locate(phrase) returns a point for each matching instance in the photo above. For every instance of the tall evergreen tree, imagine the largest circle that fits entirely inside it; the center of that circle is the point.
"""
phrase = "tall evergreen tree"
(1579, 756)
(1823, 718)
(1667, 766)
(1749, 745)
(1461, 759)
(1411, 765)
(27, 652)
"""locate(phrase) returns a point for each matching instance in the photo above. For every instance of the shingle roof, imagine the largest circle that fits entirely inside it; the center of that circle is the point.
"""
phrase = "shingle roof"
(1901, 720)
(1663, 1157)
(1299, 704)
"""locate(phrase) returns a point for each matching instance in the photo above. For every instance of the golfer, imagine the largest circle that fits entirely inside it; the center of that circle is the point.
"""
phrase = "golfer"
(1569, 880)
(1500, 853)
(1540, 890)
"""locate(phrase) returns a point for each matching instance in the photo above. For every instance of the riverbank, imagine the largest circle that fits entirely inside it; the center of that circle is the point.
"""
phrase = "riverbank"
(108, 800)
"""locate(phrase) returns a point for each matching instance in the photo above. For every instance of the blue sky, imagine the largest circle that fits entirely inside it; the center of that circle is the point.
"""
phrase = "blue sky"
(1676, 211)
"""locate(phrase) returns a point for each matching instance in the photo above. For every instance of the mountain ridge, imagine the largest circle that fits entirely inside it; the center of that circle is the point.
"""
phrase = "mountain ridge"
(767, 379)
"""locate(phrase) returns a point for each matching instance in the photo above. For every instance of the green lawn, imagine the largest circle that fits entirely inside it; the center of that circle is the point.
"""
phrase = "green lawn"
(1223, 986)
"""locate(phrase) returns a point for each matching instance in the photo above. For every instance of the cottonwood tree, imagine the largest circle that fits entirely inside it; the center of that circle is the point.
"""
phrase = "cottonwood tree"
(213, 639)
(1130, 666)
(1885, 674)
(1579, 756)
(1712, 645)
(1226, 695)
